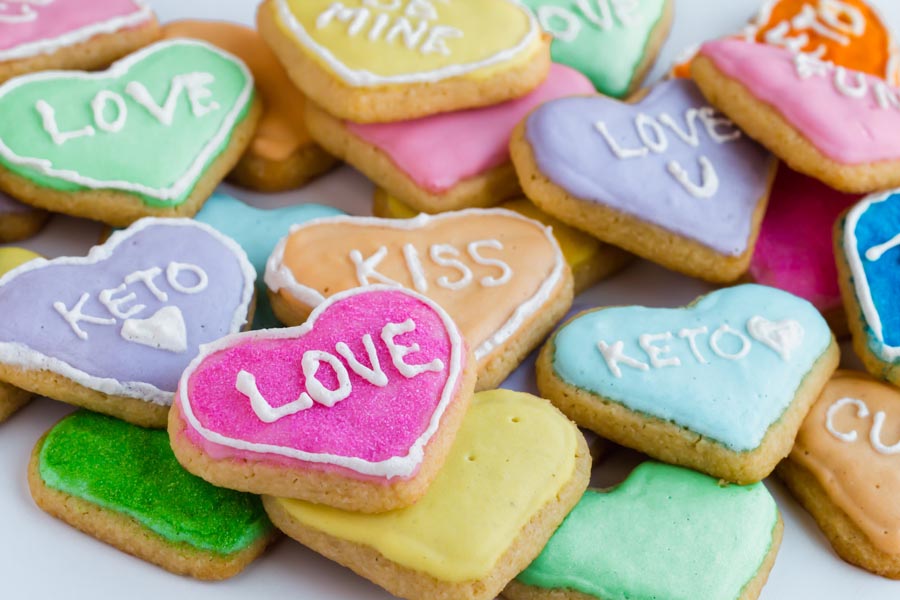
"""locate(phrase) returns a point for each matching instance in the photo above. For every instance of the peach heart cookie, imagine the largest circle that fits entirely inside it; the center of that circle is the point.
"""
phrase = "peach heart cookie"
(120, 484)
(37, 35)
(657, 535)
(19, 221)
(281, 156)
(118, 327)
(664, 177)
(356, 409)
(151, 136)
(590, 260)
(488, 514)
(443, 162)
(11, 397)
(373, 61)
(844, 470)
(501, 276)
(825, 121)
(685, 385)
(867, 245)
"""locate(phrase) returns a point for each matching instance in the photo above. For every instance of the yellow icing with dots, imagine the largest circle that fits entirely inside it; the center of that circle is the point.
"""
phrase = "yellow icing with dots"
(10, 258)
(512, 455)
(380, 42)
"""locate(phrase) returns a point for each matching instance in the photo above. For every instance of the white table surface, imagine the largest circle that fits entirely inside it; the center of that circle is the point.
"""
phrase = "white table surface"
(41, 557)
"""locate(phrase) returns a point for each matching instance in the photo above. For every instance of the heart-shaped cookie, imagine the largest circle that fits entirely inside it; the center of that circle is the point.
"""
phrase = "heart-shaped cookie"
(258, 230)
(500, 275)
(371, 387)
(680, 169)
(626, 34)
(655, 536)
(127, 319)
(731, 375)
(32, 27)
(11, 397)
(151, 126)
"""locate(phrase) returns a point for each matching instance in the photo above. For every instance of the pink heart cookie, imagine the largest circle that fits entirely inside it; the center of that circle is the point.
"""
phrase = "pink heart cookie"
(355, 409)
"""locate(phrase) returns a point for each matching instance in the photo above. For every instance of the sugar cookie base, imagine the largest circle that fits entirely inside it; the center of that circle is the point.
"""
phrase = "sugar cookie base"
(121, 209)
(335, 487)
(388, 103)
(266, 175)
(766, 125)
(487, 189)
(95, 53)
(631, 233)
(404, 582)
(128, 535)
(20, 226)
(673, 444)
(657, 38)
(751, 591)
(848, 540)
(11, 400)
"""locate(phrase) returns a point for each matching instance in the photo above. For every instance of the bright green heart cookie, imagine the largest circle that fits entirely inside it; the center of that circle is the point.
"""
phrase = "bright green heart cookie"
(666, 532)
(132, 471)
(606, 40)
(150, 125)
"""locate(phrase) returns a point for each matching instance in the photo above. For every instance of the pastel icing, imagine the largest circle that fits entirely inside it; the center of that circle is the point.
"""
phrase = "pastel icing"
(665, 532)
(11, 257)
(257, 231)
(607, 40)
(848, 33)
(699, 366)
(441, 151)
(870, 248)
(848, 444)
(368, 43)
(491, 269)
(29, 28)
(131, 471)
(794, 251)
(8, 206)
(290, 395)
(282, 129)
(150, 125)
(846, 115)
(677, 163)
(494, 481)
(128, 318)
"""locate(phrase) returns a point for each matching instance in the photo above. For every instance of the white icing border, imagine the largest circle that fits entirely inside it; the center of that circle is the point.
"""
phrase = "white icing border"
(76, 36)
(278, 276)
(857, 270)
(20, 355)
(397, 466)
(364, 78)
(117, 70)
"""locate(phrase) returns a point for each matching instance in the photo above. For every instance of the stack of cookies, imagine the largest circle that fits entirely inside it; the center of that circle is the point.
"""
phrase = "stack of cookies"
(339, 378)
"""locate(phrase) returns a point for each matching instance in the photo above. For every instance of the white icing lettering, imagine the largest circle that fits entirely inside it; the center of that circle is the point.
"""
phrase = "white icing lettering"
(415, 268)
(875, 436)
(709, 179)
(862, 411)
(648, 341)
(310, 363)
(74, 316)
(195, 84)
(691, 136)
(657, 141)
(420, 9)
(146, 277)
(48, 118)
(691, 336)
(559, 22)
(374, 374)
(876, 252)
(859, 89)
(439, 254)
(615, 354)
(176, 268)
(25, 13)
(367, 269)
(381, 22)
(831, 19)
(621, 153)
(715, 339)
(246, 384)
(114, 305)
(506, 272)
(411, 37)
(98, 106)
(712, 121)
(399, 352)
(436, 42)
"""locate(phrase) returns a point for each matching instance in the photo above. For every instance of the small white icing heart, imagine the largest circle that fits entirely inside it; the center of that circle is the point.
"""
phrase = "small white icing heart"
(783, 336)
(164, 330)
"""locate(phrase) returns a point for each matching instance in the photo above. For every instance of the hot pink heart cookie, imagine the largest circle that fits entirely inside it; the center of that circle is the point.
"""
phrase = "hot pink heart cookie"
(355, 409)
(829, 122)
(36, 35)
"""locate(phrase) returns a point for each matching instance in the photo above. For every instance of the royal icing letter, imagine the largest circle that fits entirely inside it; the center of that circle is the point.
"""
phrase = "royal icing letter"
(246, 384)
(74, 316)
(48, 117)
(374, 375)
(862, 411)
(437, 255)
(310, 363)
(647, 342)
(399, 351)
(613, 355)
(505, 272)
(366, 269)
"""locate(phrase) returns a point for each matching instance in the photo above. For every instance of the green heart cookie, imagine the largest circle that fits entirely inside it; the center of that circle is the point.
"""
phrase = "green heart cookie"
(151, 125)
(606, 40)
(666, 532)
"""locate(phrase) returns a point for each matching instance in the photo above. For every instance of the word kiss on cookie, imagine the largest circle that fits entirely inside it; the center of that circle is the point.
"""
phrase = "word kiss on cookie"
(666, 177)
(501, 276)
(118, 327)
(720, 386)
(152, 136)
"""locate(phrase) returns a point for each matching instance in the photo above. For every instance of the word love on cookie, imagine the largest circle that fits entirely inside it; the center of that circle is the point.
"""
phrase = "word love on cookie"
(149, 127)
(127, 319)
(492, 270)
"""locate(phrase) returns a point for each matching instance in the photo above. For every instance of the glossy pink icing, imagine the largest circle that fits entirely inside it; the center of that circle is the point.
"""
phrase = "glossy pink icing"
(847, 130)
(373, 423)
(794, 251)
(440, 151)
(56, 18)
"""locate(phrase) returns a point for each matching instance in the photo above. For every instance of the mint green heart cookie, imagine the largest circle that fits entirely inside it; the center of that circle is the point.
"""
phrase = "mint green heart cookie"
(606, 40)
(666, 532)
(151, 125)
